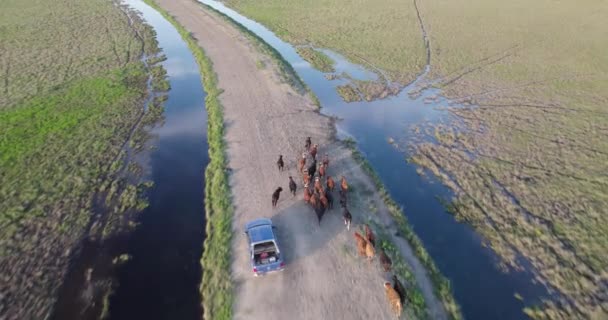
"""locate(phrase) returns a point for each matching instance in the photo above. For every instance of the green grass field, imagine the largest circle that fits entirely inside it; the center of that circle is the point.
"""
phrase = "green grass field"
(528, 162)
(383, 34)
(528, 156)
(72, 92)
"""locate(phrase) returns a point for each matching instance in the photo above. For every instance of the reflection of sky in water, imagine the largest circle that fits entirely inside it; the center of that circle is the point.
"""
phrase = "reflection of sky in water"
(343, 65)
(177, 68)
(301, 65)
(481, 289)
(391, 117)
(166, 246)
(183, 123)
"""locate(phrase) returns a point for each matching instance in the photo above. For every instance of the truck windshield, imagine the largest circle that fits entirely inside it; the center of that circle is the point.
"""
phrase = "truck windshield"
(264, 253)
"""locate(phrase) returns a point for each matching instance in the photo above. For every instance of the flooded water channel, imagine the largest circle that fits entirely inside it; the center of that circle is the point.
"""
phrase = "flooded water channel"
(161, 279)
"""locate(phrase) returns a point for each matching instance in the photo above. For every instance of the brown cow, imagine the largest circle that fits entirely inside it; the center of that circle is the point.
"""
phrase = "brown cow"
(370, 252)
(314, 200)
(393, 299)
(364, 247)
(369, 235)
(313, 151)
(306, 177)
(330, 183)
(322, 170)
(361, 244)
(343, 185)
(302, 162)
(306, 194)
(318, 185)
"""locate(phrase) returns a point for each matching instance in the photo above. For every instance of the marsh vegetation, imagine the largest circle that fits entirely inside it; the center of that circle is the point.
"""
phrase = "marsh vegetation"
(348, 93)
(72, 94)
(317, 59)
(527, 156)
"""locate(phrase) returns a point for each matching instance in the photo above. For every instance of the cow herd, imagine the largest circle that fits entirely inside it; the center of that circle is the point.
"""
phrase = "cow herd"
(318, 185)
(318, 193)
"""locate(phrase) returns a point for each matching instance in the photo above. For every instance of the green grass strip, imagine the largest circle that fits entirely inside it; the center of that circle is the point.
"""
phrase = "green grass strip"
(216, 286)
(441, 285)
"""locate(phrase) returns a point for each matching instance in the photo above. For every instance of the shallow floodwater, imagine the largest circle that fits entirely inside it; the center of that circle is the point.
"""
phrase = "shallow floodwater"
(481, 289)
(161, 279)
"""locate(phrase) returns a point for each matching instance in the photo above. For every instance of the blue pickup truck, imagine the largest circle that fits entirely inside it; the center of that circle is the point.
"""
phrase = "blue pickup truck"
(263, 247)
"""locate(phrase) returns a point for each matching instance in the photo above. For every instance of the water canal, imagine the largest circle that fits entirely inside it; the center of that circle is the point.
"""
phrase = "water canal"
(161, 280)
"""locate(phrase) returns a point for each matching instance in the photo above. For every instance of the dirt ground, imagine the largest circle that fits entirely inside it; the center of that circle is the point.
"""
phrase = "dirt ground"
(324, 278)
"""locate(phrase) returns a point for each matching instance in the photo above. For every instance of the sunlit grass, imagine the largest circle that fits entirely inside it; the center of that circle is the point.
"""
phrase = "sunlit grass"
(45, 46)
(71, 93)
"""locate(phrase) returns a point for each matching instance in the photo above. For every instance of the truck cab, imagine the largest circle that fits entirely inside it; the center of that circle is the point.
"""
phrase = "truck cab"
(265, 255)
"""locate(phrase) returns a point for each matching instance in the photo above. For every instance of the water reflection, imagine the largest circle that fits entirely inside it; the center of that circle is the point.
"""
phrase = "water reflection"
(162, 278)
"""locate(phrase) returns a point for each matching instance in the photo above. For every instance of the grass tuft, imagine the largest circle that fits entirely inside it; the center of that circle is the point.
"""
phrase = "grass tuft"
(349, 93)
(317, 59)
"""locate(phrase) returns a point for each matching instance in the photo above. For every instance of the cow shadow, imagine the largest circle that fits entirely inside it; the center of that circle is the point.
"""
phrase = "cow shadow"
(299, 232)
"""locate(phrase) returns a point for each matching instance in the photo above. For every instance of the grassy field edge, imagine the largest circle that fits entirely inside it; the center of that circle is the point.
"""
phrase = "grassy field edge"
(441, 284)
(216, 285)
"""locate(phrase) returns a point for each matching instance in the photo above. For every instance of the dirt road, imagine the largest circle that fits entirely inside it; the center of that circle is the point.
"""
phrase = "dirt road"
(324, 278)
